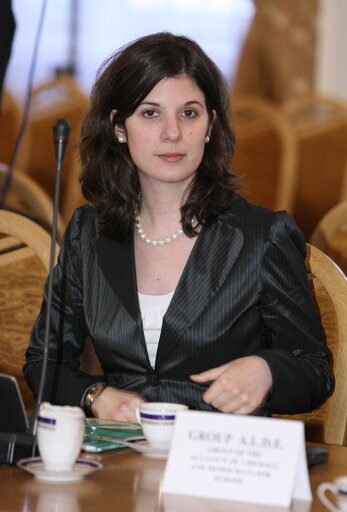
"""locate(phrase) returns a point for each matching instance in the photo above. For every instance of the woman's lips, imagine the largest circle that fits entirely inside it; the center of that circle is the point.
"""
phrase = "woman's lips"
(171, 157)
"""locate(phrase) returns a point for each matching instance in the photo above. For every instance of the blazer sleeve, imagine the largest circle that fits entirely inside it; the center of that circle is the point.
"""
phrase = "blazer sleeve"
(65, 382)
(297, 354)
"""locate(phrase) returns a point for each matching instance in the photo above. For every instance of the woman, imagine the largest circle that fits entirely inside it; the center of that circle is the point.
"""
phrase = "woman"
(188, 293)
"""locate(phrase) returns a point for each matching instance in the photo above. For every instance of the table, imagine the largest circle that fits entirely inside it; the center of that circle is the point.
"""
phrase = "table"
(130, 482)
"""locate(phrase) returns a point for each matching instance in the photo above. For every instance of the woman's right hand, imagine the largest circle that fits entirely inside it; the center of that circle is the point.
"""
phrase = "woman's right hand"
(117, 405)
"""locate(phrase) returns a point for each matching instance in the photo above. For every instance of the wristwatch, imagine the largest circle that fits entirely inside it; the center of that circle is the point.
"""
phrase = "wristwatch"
(92, 394)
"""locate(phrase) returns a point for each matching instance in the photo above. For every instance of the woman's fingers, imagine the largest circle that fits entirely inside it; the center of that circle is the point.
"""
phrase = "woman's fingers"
(117, 405)
(209, 375)
(240, 386)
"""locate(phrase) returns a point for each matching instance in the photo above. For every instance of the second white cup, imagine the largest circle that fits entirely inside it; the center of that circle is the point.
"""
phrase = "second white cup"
(339, 490)
(158, 422)
(60, 434)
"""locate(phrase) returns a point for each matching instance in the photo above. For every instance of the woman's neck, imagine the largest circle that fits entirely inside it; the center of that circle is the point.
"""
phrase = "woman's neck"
(161, 211)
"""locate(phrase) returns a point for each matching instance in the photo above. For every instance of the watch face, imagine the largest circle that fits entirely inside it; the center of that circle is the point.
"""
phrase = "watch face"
(93, 393)
(87, 400)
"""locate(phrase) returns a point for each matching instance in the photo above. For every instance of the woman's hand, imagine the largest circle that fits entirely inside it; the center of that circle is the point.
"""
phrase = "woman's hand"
(117, 405)
(239, 387)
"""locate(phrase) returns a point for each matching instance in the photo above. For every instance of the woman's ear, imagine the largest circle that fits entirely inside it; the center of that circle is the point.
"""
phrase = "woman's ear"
(118, 128)
(214, 115)
(113, 115)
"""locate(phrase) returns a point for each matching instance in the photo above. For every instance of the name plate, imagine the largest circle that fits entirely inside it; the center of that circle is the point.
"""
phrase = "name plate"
(239, 458)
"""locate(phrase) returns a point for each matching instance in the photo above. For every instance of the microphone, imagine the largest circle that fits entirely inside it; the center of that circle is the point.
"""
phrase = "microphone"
(61, 131)
(15, 445)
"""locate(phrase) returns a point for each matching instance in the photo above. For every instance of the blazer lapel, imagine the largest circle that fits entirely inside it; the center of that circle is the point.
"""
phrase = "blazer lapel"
(211, 260)
(117, 263)
(213, 255)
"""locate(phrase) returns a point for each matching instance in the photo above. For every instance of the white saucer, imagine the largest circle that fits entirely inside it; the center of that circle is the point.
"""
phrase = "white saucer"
(81, 468)
(140, 444)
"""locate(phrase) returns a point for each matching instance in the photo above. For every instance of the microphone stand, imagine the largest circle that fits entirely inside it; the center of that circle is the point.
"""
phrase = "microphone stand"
(15, 445)
(61, 131)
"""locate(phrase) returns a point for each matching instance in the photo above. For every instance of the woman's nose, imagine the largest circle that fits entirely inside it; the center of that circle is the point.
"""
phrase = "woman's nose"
(171, 129)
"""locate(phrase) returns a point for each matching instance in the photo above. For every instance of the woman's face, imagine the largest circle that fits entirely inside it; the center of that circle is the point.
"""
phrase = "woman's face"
(166, 133)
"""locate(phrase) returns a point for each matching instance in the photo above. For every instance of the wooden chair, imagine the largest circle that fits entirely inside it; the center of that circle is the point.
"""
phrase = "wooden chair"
(10, 119)
(24, 263)
(320, 127)
(28, 198)
(330, 235)
(328, 424)
(60, 97)
(266, 154)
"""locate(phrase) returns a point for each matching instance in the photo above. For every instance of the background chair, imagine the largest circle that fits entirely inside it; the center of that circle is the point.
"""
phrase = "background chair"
(266, 154)
(28, 198)
(60, 97)
(320, 127)
(10, 119)
(24, 263)
(328, 424)
(330, 235)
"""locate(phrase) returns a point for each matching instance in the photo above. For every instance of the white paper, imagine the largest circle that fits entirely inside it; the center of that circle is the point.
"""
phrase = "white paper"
(239, 458)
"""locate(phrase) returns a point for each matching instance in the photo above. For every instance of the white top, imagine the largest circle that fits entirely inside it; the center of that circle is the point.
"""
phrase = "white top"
(153, 309)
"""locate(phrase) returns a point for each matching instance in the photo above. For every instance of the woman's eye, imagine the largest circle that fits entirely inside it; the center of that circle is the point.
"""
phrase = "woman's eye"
(189, 113)
(150, 113)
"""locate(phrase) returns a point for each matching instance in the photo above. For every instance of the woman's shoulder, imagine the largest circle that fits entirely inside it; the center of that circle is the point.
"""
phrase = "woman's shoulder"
(244, 212)
(86, 211)
(263, 224)
(84, 222)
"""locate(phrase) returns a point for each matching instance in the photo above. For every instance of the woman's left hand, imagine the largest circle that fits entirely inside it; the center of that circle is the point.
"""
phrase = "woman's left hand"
(239, 387)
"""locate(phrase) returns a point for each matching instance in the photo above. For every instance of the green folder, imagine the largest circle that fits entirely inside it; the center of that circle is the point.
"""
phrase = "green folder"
(103, 435)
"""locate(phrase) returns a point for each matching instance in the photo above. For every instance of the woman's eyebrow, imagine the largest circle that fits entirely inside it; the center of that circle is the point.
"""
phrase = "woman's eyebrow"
(151, 103)
(187, 103)
(194, 102)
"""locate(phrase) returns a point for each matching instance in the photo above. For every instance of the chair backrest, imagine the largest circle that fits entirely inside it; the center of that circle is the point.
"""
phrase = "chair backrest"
(328, 424)
(320, 126)
(60, 97)
(10, 119)
(24, 262)
(28, 198)
(266, 152)
(330, 235)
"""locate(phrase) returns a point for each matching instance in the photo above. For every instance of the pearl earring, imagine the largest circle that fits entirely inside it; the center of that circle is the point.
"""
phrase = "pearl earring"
(121, 139)
(207, 139)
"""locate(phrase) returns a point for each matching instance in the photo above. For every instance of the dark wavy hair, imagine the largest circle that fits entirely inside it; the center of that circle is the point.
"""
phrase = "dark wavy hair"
(109, 177)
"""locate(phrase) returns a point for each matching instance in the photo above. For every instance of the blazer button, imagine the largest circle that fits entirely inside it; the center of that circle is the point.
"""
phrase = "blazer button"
(153, 379)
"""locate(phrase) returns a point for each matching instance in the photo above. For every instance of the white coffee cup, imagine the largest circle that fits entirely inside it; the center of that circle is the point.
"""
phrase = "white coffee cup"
(60, 433)
(339, 490)
(157, 420)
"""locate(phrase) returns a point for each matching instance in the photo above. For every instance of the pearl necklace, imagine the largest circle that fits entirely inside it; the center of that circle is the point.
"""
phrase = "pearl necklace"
(161, 242)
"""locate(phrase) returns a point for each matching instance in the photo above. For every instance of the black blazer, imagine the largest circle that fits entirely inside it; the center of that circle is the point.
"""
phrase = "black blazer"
(243, 291)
